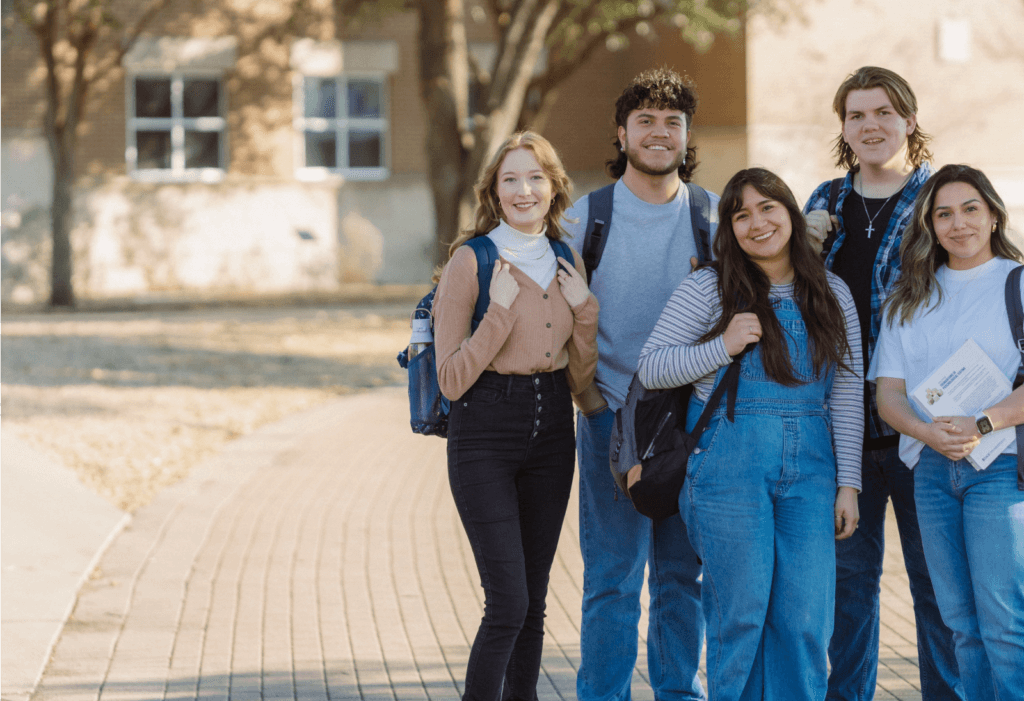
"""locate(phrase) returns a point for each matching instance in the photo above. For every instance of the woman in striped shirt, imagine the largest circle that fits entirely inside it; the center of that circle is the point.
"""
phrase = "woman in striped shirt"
(768, 491)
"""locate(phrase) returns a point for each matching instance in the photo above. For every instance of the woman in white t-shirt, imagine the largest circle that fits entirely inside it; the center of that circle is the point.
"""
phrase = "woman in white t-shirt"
(955, 260)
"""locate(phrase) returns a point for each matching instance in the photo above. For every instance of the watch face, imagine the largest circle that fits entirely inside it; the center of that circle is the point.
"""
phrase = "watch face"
(984, 425)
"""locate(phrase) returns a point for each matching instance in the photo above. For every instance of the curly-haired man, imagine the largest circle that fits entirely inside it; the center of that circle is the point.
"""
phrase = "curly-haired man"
(648, 251)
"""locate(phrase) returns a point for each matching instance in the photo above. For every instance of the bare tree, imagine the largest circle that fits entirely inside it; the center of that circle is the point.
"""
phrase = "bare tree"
(81, 41)
(512, 92)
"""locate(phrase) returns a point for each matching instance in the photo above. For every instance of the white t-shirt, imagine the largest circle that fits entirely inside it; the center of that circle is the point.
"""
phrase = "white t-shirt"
(973, 306)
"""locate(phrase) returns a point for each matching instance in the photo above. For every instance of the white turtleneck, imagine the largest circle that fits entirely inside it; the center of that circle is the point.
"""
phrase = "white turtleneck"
(531, 253)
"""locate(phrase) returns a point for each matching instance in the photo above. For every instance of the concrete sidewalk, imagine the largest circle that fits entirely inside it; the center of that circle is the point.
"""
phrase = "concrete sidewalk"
(53, 531)
(322, 558)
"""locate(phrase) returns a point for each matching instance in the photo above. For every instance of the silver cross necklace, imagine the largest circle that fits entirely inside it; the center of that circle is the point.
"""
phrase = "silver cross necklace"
(864, 201)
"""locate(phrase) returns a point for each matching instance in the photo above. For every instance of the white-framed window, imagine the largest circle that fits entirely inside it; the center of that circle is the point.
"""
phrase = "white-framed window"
(177, 128)
(342, 126)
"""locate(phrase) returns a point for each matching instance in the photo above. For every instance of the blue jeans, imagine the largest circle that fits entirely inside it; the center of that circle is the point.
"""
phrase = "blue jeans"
(616, 543)
(759, 504)
(853, 650)
(972, 525)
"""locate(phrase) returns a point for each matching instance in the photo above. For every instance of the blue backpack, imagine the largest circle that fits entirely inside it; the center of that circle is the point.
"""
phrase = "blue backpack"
(428, 408)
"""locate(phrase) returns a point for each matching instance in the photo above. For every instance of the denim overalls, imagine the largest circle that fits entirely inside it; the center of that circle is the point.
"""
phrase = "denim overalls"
(758, 503)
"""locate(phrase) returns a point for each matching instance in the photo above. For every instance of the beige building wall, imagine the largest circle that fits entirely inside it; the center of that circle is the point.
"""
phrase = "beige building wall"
(582, 125)
(259, 227)
(963, 59)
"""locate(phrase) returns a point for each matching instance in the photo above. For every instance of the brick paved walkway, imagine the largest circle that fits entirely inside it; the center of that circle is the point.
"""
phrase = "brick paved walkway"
(322, 558)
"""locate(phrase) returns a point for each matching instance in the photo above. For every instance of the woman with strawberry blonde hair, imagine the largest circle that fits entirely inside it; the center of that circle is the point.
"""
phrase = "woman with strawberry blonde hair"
(511, 441)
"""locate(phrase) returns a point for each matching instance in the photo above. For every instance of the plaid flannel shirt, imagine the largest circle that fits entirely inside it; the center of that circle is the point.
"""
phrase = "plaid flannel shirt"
(885, 271)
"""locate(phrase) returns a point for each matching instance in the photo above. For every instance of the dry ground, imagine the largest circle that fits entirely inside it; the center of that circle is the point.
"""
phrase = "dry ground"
(132, 400)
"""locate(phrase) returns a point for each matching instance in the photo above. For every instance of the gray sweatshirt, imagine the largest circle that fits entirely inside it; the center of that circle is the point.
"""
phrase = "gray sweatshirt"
(647, 255)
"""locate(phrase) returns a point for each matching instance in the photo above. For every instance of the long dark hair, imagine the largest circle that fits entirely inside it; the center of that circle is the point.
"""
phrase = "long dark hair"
(920, 252)
(744, 287)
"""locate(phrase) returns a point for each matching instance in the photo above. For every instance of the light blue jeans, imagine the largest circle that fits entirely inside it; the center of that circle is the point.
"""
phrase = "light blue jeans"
(972, 528)
(616, 543)
(759, 505)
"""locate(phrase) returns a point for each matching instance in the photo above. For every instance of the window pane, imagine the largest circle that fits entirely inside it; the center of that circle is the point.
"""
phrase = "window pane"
(363, 98)
(321, 97)
(201, 98)
(364, 149)
(152, 97)
(202, 149)
(321, 150)
(154, 149)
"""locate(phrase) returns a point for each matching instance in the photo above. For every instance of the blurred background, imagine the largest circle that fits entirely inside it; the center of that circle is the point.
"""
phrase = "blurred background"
(253, 148)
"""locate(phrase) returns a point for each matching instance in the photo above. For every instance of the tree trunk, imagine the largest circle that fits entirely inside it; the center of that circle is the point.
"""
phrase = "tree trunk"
(445, 85)
(61, 291)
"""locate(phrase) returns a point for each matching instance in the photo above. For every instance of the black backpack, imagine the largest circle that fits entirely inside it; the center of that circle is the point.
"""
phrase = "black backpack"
(428, 408)
(650, 445)
(649, 442)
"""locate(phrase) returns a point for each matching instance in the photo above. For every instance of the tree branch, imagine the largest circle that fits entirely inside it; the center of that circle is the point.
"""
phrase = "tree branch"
(46, 31)
(505, 115)
(511, 48)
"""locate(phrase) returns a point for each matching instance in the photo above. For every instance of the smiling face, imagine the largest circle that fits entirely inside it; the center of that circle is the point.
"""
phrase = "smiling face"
(524, 191)
(874, 130)
(963, 224)
(655, 140)
(762, 228)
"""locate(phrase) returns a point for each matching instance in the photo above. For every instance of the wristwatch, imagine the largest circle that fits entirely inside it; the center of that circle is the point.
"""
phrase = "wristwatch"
(984, 423)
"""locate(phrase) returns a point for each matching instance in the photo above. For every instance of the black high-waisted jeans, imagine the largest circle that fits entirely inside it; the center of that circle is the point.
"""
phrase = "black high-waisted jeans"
(511, 452)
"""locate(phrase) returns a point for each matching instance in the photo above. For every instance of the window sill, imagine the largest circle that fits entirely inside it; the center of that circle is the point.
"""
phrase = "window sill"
(317, 175)
(197, 175)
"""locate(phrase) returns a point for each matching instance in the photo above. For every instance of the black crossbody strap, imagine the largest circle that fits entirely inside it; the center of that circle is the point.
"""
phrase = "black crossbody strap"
(730, 383)
(1015, 313)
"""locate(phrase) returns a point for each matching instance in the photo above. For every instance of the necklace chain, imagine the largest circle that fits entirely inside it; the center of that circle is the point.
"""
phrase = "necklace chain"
(864, 202)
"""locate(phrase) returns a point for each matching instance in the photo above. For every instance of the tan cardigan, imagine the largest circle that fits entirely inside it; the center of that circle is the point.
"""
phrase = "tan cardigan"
(539, 333)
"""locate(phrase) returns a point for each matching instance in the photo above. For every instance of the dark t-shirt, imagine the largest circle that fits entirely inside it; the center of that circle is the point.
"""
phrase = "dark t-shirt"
(854, 263)
(856, 258)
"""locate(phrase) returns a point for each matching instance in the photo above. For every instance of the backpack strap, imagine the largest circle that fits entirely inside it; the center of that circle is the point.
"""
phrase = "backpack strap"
(486, 254)
(562, 250)
(833, 201)
(1015, 313)
(833, 194)
(700, 221)
(599, 220)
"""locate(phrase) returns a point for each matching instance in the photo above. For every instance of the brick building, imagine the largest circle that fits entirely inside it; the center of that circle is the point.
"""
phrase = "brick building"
(240, 149)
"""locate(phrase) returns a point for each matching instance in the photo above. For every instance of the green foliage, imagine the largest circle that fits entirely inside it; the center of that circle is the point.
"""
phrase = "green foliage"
(613, 22)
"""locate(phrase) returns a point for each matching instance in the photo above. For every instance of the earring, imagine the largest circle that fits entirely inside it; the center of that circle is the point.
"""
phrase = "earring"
(622, 148)
(553, 201)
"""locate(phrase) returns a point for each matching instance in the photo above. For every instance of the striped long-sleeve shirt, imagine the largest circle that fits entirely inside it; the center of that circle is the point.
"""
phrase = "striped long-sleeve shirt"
(672, 358)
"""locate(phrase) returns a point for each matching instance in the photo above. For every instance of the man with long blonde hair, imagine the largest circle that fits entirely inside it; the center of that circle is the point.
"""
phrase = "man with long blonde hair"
(886, 154)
